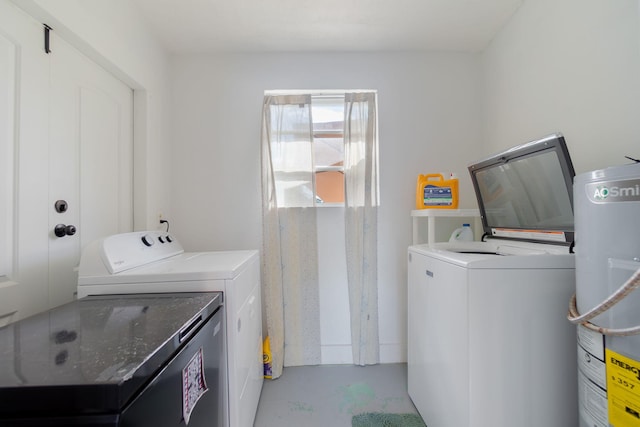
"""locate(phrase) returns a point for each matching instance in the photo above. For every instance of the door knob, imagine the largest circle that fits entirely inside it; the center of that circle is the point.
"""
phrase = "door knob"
(62, 230)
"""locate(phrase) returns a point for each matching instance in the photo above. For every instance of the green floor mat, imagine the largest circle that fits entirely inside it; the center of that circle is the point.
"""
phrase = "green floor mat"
(377, 419)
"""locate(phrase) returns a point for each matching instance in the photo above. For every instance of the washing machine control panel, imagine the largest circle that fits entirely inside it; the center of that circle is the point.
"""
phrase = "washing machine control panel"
(148, 240)
(125, 251)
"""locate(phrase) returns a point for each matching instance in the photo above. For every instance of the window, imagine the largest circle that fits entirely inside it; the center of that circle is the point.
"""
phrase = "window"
(327, 113)
(311, 155)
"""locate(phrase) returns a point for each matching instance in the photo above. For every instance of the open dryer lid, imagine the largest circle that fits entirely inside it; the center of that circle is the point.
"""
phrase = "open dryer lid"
(526, 192)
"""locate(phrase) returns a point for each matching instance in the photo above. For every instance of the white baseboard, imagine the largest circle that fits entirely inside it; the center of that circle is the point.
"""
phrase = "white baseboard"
(392, 353)
(336, 355)
(341, 354)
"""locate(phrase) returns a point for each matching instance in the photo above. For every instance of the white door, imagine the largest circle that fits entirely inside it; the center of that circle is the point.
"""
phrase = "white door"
(24, 113)
(67, 134)
(8, 289)
(90, 170)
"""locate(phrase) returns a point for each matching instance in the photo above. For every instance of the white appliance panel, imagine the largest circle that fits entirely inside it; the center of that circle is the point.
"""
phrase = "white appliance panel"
(488, 341)
(438, 348)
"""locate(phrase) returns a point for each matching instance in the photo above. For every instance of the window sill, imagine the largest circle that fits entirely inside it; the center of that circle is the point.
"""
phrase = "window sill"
(330, 205)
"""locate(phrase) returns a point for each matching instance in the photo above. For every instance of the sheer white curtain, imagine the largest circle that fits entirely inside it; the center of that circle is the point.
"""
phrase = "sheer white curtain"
(361, 223)
(290, 254)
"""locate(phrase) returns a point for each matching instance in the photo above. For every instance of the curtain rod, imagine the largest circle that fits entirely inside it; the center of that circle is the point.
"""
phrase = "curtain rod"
(330, 92)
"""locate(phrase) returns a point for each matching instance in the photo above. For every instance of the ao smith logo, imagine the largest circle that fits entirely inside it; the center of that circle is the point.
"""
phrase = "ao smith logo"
(601, 193)
(614, 191)
(626, 366)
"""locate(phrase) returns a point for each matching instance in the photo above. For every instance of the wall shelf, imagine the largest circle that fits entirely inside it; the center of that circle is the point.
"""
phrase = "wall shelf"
(432, 214)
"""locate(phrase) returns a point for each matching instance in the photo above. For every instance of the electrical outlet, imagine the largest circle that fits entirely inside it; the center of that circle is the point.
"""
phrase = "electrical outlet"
(160, 218)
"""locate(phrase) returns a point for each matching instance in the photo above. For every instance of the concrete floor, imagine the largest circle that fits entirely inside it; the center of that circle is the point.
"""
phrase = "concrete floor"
(324, 396)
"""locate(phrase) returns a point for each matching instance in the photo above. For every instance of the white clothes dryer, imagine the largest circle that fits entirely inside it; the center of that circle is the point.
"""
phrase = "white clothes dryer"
(488, 339)
(155, 262)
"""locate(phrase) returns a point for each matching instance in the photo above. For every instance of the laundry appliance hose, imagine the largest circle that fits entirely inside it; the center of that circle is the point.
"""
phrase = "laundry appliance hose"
(627, 287)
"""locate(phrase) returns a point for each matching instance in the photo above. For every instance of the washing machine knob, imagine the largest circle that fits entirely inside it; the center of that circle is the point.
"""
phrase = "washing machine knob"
(147, 240)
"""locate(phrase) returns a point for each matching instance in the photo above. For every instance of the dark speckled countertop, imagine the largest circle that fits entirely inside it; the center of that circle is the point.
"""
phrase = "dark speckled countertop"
(96, 351)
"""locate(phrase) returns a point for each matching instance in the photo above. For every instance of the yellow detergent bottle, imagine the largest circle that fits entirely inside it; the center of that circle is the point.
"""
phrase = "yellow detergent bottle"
(266, 357)
(435, 192)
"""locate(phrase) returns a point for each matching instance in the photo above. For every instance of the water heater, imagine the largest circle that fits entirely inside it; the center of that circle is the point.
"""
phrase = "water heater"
(606, 306)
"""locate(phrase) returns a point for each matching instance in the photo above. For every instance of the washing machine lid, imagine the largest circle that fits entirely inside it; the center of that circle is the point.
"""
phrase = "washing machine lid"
(499, 254)
(526, 193)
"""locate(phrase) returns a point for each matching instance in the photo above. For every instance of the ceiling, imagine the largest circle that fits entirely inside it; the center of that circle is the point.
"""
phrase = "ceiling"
(205, 26)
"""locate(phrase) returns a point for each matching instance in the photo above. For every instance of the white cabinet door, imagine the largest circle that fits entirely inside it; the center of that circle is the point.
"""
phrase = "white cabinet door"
(68, 134)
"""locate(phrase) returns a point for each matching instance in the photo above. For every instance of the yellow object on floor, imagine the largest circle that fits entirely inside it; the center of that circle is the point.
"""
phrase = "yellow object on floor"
(266, 357)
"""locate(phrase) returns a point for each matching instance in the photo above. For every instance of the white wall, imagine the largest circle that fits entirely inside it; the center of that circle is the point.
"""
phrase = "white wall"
(428, 122)
(113, 34)
(571, 66)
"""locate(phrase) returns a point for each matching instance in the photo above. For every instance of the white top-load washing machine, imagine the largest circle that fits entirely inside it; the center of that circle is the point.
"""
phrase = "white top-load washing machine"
(155, 262)
(488, 339)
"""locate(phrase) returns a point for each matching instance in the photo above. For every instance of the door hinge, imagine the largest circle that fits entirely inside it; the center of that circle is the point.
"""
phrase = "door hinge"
(47, 42)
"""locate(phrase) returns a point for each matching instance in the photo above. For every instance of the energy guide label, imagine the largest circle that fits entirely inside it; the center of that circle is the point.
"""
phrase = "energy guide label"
(623, 390)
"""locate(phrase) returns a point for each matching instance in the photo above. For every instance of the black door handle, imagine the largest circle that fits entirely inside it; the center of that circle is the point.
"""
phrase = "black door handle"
(62, 230)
